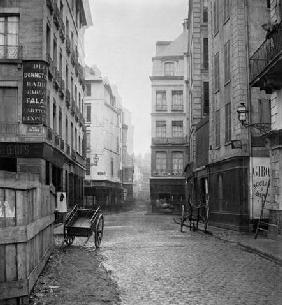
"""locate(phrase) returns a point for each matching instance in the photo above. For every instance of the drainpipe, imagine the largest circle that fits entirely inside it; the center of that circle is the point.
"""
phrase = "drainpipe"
(249, 99)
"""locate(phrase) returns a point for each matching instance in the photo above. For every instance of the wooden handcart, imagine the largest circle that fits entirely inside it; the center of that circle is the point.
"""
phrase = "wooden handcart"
(84, 223)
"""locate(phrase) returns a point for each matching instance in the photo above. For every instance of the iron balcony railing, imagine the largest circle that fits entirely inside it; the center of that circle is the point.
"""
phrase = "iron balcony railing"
(173, 140)
(268, 51)
(11, 52)
(9, 128)
(177, 107)
(161, 107)
(168, 173)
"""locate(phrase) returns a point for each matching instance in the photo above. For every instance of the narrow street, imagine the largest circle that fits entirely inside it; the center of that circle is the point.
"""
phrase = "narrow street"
(144, 259)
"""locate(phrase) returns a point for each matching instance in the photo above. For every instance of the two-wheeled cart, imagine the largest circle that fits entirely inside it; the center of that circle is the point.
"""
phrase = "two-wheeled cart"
(84, 223)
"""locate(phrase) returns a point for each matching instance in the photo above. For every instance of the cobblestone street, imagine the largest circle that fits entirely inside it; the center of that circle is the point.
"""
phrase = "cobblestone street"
(153, 263)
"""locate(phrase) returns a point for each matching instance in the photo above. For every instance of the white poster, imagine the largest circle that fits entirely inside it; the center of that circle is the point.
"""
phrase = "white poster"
(260, 189)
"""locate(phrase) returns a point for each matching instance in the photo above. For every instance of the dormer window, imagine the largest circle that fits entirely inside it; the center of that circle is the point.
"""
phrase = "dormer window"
(169, 69)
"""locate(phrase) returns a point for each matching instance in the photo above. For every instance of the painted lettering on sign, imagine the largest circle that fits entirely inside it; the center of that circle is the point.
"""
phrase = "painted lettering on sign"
(34, 92)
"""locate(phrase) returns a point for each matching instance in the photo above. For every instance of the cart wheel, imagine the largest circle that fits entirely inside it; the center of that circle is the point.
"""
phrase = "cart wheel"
(182, 218)
(99, 228)
(69, 240)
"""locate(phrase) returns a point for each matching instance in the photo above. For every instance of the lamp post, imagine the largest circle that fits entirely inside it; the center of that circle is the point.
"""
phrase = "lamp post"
(242, 117)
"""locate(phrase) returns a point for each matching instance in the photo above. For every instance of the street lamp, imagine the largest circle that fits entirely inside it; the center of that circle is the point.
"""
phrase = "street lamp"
(242, 117)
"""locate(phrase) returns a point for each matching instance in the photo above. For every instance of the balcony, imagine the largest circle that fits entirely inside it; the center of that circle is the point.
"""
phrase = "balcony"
(57, 140)
(68, 99)
(177, 108)
(11, 52)
(49, 134)
(161, 107)
(9, 128)
(169, 141)
(168, 173)
(266, 62)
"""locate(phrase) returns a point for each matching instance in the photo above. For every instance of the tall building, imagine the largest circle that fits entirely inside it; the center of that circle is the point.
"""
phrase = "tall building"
(103, 115)
(238, 160)
(265, 73)
(198, 101)
(127, 154)
(41, 91)
(169, 148)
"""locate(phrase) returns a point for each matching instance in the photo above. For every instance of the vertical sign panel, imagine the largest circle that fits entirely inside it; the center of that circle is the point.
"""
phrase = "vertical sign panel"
(34, 92)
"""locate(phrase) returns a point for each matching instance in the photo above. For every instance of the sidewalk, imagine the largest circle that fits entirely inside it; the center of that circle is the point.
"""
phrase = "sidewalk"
(263, 246)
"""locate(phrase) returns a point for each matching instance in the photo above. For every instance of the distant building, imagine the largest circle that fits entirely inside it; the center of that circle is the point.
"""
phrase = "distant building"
(127, 155)
(103, 115)
(142, 174)
(41, 91)
(169, 146)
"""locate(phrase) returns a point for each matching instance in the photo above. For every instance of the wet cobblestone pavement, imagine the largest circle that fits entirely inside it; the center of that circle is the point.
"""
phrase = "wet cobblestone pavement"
(153, 263)
(145, 260)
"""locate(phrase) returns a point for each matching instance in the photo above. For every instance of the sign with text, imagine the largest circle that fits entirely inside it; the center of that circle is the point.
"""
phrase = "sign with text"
(34, 92)
(260, 175)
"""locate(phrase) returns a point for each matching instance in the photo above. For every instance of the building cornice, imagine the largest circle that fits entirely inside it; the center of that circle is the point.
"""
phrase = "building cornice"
(166, 77)
(168, 57)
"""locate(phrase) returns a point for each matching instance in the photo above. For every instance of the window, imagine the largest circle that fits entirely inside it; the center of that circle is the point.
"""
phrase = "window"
(216, 17)
(9, 105)
(88, 89)
(227, 97)
(177, 129)
(48, 43)
(227, 5)
(112, 166)
(161, 101)
(169, 69)
(55, 52)
(206, 103)
(227, 62)
(61, 62)
(228, 122)
(88, 140)
(205, 14)
(60, 123)
(67, 131)
(67, 77)
(216, 72)
(71, 88)
(177, 162)
(264, 111)
(217, 128)
(67, 27)
(88, 113)
(160, 162)
(160, 129)
(54, 116)
(205, 53)
(75, 139)
(72, 135)
(177, 100)
(87, 166)
(9, 40)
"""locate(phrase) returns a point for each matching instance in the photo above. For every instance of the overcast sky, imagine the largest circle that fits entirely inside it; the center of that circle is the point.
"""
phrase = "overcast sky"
(121, 43)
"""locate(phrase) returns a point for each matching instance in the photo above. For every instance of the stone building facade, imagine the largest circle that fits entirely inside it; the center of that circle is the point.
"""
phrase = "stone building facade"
(266, 75)
(169, 148)
(41, 91)
(234, 170)
(103, 115)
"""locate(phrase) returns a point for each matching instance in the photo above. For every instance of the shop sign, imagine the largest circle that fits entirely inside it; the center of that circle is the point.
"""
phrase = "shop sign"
(20, 150)
(34, 129)
(260, 177)
(34, 92)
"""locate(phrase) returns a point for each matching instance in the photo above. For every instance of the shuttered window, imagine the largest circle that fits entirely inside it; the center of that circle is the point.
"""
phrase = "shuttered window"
(216, 16)
(205, 53)
(177, 129)
(161, 129)
(217, 128)
(8, 105)
(160, 161)
(227, 61)
(161, 101)
(205, 98)
(216, 72)
(227, 6)
(264, 111)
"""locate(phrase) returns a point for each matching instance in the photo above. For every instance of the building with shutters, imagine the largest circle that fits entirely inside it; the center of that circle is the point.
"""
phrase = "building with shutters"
(198, 101)
(238, 161)
(266, 75)
(169, 147)
(103, 119)
(41, 91)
